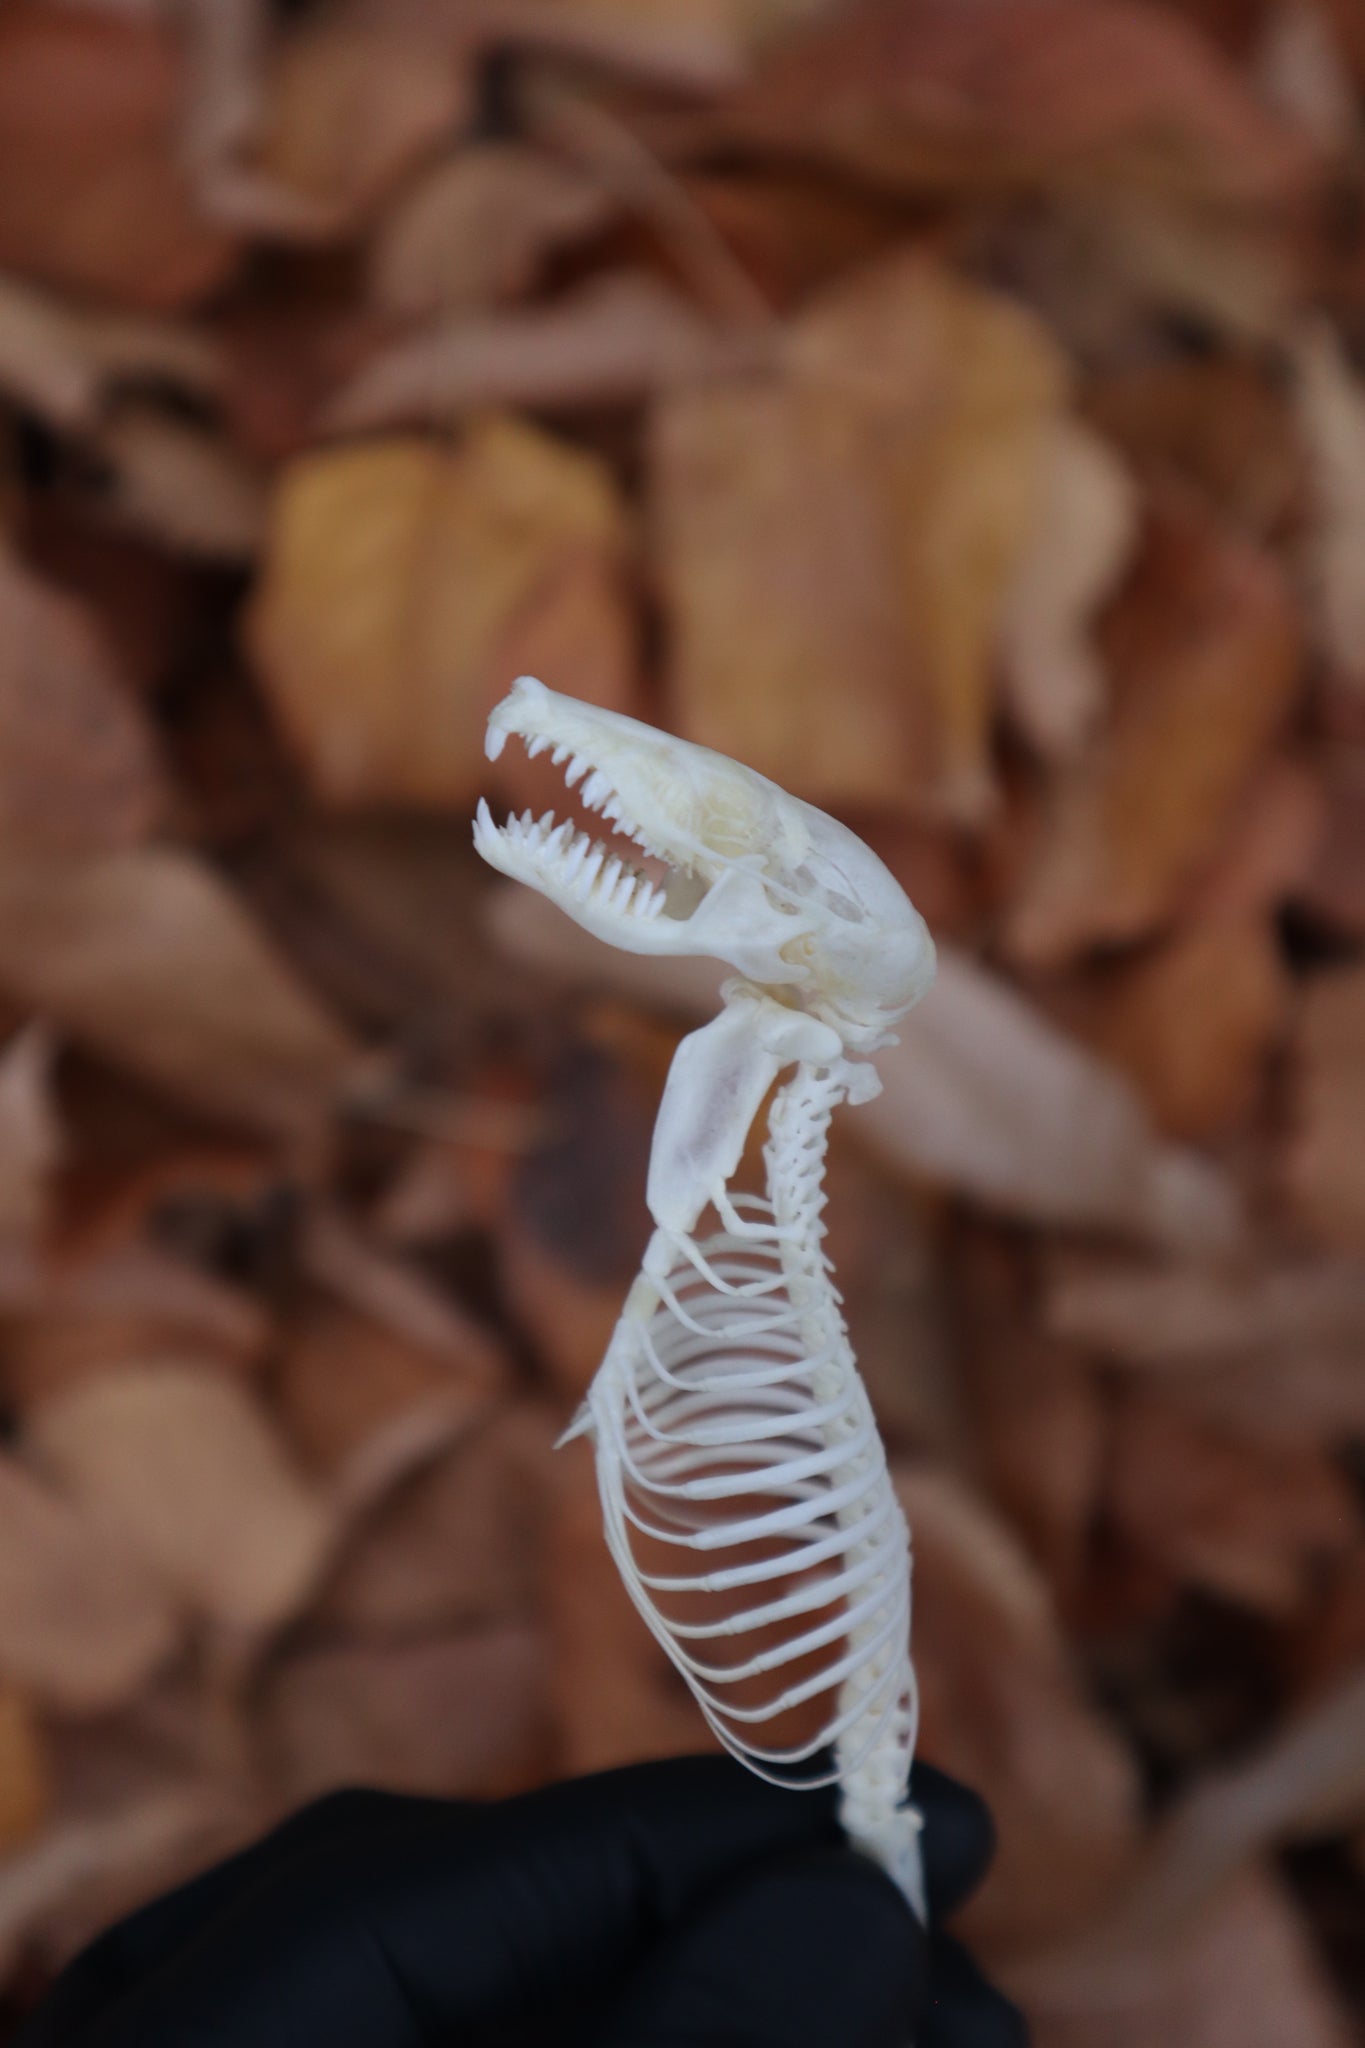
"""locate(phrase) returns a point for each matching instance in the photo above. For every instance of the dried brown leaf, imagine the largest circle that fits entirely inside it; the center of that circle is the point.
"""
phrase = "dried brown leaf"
(1301, 73)
(1334, 884)
(399, 579)
(458, 1544)
(445, 1715)
(576, 1224)
(187, 1466)
(1194, 1024)
(614, 341)
(89, 1869)
(23, 1773)
(350, 1392)
(1003, 1710)
(146, 957)
(1154, 1952)
(1188, 1315)
(348, 111)
(1270, 847)
(1251, 1522)
(1086, 526)
(985, 1095)
(1243, 1973)
(845, 533)
(1326, 1168)
(1331, 417)
(31, 1137)
(104, 1310)
(1204, 649)
(476, 229)
(59, 360)
(933, 92)
(183, 486)
(397, 1298)
(1220, 424)
(82, 1622)
(93, 196)
(1037, 1426)
(77, 769)
(1271, 1353)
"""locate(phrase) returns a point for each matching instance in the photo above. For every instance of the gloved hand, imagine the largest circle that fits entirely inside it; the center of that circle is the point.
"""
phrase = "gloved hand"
(668, 1904)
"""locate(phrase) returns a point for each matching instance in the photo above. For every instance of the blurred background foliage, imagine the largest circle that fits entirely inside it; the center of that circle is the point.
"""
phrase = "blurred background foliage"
(952, 408)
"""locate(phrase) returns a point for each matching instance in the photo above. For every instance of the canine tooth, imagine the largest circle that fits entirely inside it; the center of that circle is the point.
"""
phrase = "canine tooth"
(574, 769)
(483, 817)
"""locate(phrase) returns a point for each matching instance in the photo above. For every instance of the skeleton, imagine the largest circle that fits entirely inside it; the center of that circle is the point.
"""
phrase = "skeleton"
(744, 1487)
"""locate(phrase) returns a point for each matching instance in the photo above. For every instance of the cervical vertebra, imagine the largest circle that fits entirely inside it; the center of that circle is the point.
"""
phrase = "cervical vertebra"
(744, 1486)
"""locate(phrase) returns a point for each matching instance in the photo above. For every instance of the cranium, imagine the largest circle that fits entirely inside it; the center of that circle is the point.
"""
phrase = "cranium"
(786, 895)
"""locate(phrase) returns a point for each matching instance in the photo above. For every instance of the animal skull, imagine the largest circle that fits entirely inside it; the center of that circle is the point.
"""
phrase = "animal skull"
(790, 898)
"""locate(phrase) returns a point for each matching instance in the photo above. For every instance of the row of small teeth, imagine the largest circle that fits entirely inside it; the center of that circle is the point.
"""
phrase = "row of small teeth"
(579, 864)
(597, 793)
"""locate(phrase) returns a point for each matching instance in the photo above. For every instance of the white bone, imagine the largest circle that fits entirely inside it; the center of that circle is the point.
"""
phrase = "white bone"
(744, 1487)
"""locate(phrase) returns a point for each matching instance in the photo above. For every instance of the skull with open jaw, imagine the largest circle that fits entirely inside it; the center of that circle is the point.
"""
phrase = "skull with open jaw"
(787, 896)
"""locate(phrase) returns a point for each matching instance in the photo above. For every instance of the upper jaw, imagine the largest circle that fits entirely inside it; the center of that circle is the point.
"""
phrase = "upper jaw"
(595, 882)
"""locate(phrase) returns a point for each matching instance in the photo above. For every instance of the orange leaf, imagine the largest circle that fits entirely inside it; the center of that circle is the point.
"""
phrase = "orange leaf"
(845, 534)
(397, 580)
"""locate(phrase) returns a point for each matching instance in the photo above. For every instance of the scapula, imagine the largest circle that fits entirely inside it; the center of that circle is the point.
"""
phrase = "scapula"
(744, 1486)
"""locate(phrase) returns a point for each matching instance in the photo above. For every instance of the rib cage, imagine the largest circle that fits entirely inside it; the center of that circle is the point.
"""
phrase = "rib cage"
(746, 1497)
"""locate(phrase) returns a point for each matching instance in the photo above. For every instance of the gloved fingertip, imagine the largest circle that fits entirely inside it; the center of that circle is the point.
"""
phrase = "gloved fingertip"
(816, 1949)
(959, 1837)
(964, 2009)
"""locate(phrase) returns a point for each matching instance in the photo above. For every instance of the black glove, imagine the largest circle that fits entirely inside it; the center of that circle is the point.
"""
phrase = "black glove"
(669, 1904)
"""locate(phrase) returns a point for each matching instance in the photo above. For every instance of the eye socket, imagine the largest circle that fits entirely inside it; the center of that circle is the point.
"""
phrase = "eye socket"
(833, 899)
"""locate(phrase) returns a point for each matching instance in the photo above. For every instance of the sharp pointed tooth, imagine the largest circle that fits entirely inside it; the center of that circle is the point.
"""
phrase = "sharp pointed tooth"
(610, 875)
(576, 856)
(495, 739)
(560, 837)
(537, 745)
(526, 820)
(574, 769)
(612, 810)
(560, 755)
(589, 871)
(625, 889)
(545, 824)
(595, 789)
(483, 817)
